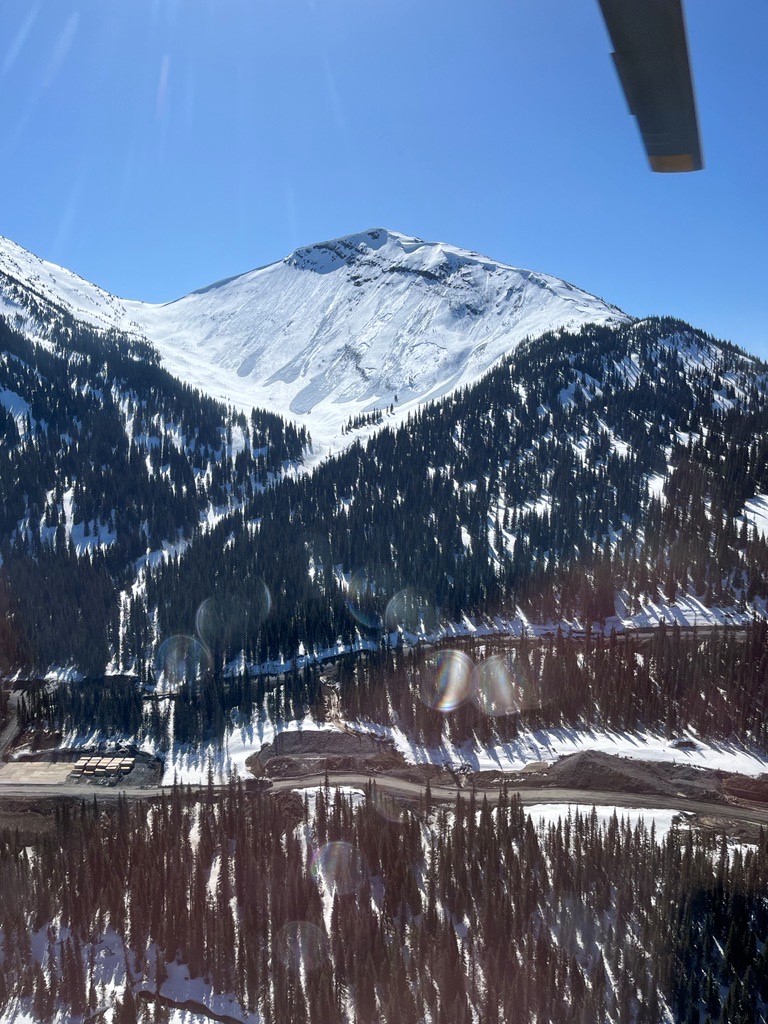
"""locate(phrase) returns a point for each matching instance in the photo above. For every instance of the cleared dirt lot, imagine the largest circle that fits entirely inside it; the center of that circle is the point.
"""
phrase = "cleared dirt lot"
(41, 773)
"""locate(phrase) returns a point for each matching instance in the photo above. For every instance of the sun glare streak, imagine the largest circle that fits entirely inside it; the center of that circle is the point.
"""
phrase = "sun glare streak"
(62, 48)
(68, 215)
(161, 99)
(58, 57)
(189, 98)
(19, 39)
(333, 96)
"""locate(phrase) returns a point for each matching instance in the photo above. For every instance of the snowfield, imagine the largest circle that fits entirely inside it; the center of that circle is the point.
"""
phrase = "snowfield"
(334, 330)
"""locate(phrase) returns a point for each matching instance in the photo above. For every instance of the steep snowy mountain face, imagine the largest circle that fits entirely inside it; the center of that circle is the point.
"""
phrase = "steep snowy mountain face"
(336, 330)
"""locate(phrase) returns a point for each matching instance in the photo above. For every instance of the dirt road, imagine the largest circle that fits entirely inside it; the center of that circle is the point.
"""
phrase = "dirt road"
(411, 791)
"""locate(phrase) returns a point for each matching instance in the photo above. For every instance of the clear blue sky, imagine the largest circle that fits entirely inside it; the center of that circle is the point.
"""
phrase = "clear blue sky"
(157, 145)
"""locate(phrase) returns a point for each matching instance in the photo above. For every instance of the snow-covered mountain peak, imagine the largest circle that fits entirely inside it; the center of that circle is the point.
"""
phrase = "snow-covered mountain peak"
(347, 251)
(383, 250)
(338, 329)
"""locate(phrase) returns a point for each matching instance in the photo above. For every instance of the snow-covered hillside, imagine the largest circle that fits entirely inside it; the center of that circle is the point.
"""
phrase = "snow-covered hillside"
(335, 330)
(22, 275)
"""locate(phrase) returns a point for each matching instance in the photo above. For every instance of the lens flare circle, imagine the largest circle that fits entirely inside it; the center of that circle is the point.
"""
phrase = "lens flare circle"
(260, 601)
(340, 868)
(300, 944)
(496, 691)
(205, 620)
(226, 618)
(447, 683)
(181, 660)
(412, 612)
(368, 596)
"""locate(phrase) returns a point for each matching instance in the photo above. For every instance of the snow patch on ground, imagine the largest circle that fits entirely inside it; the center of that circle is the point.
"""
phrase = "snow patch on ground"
(551, 744)
(756, 513)
(192, 765)
(656, 485)
(544, 815)
(182, 989)
(16, 406)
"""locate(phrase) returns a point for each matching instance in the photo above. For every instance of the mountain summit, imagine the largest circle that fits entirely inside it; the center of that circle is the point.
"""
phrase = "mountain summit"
(337, 329)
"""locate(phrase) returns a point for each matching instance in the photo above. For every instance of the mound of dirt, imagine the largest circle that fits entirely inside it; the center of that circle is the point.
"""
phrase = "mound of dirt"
(302, 754)
(744, 787)
(323, 743)
(592, 769)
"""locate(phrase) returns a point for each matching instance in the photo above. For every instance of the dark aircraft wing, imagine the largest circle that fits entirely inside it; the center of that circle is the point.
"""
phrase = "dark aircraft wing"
(651, 58)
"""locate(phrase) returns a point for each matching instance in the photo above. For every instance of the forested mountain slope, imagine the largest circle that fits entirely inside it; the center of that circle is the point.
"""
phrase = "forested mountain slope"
(104, 459)
(586, 465)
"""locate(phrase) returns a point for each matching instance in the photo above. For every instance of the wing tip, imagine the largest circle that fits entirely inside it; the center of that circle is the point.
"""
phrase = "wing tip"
(676, 163)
